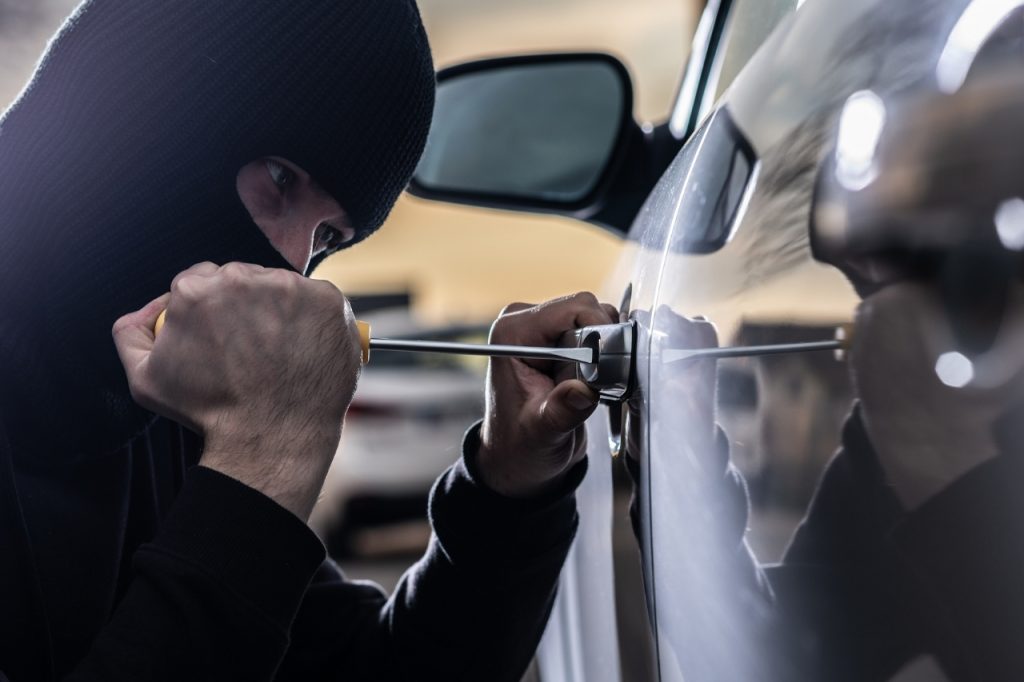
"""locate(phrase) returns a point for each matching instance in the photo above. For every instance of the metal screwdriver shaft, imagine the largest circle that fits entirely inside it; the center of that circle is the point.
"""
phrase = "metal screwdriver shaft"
(584, 355)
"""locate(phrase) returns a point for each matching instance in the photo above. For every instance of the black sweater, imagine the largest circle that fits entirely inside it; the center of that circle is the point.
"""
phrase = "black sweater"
(144, 567)
(119, 558)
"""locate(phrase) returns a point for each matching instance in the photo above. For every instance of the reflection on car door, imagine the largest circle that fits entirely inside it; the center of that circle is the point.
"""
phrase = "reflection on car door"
(712, 608)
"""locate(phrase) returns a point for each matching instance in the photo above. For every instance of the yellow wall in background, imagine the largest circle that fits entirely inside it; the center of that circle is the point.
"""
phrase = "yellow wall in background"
(463, 265)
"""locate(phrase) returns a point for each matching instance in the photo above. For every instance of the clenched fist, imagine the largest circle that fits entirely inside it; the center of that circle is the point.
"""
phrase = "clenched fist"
(263, 363)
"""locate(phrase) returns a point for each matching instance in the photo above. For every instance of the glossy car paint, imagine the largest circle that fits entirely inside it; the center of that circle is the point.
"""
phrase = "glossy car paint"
(763, 280)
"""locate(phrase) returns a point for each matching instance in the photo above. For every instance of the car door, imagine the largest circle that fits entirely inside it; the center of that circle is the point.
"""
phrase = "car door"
(725, 237)
(721, 253)
(587, 637)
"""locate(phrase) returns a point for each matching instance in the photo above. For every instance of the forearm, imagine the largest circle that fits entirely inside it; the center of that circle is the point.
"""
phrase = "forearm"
(502, 557)
(473, 608)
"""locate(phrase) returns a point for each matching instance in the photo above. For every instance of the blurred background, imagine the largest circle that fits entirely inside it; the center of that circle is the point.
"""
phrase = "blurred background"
(441, 271)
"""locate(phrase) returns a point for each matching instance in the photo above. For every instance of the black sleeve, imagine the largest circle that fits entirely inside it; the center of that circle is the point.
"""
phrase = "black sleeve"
(472, 608)
(214, 595)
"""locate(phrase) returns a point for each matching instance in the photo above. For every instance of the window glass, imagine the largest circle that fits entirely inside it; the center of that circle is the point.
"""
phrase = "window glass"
(749, 24)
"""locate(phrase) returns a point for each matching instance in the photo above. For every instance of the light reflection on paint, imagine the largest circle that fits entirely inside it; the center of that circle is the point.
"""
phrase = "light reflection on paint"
(976, 24)
(860, 128)
(954, 369)
(1009, 221)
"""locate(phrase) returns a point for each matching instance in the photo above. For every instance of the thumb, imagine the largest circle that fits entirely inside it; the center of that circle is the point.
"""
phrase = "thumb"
(133, 334)
(567, 407)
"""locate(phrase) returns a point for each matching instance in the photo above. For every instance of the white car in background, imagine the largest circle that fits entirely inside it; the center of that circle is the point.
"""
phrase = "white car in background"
(404, 428)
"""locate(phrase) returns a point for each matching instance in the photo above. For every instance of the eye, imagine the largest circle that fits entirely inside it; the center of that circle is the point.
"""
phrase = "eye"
(280, 175)
(329, 238)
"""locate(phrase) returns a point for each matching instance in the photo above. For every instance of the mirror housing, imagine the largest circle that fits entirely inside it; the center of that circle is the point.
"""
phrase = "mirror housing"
(549, 133)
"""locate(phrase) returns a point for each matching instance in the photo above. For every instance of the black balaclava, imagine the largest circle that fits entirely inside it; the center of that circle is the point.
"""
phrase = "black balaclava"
(118, 167)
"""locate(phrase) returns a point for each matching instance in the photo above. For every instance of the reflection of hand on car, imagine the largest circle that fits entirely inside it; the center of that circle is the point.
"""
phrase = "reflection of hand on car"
(685, 397)
(533, 426)
(927, 429)
(688, 386)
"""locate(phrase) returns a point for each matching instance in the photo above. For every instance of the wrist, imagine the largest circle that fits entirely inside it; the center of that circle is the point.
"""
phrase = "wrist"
(288, 466)
(504, 473)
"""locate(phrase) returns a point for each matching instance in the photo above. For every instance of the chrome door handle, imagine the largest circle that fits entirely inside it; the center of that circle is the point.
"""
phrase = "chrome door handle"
(613, 372)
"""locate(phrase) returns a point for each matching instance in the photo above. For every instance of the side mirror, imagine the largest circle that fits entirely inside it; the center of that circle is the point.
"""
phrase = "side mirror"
(543, 133)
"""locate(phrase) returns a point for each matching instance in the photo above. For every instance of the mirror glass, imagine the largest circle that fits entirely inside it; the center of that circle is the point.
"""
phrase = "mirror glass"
(539, 130)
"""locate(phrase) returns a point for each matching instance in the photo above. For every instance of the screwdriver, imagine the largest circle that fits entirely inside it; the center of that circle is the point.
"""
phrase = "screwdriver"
(578, 355)
(582, 354)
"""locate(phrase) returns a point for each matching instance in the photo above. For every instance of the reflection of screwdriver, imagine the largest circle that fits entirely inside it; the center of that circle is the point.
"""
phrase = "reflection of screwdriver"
(842, 342)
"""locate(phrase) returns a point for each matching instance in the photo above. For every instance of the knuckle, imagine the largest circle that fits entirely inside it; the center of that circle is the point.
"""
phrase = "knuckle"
(329, 294)
(202, 267)
(586, 298)
(185, 287)
(513, 308)
(502, 327)
(235, 272)
(120, 326)
(177, 282)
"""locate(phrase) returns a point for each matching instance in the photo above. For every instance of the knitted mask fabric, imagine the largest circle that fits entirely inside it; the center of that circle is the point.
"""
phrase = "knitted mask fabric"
(118, 169)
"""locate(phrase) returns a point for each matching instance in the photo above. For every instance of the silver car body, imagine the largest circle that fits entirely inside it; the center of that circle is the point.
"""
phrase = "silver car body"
(784, 104)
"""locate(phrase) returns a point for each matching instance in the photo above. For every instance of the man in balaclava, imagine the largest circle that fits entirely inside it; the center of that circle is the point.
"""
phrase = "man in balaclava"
(209, 150)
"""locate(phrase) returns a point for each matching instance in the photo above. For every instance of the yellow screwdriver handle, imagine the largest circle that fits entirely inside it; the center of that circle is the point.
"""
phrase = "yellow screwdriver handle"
(364, 340)
(364, 335)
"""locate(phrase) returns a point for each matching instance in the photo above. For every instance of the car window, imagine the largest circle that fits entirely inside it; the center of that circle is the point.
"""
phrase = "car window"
(719, 178)
(748, 25)
(730, 32)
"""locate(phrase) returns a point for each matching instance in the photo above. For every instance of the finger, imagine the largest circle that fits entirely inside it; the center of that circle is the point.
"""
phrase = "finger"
(133, 333)
(567, 407)
(204, 269)
(612, 312)
(496, 334)
(517, 307)
(546, 323)
(236, 270)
